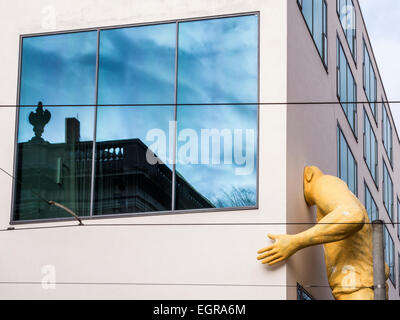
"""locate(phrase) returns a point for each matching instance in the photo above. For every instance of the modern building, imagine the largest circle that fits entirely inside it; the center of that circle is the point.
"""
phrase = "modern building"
(179, 131)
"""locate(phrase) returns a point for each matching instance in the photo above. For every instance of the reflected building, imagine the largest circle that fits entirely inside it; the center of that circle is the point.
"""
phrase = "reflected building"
(125, 182)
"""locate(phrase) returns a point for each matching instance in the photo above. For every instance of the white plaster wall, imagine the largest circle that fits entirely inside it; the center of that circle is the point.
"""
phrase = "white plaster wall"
(194, 258)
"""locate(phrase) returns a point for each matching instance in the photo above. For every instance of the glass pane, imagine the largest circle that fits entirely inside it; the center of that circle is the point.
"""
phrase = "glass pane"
(137, 66)
(55, 143)
(343, 78)
(217, 145)
(352, 174)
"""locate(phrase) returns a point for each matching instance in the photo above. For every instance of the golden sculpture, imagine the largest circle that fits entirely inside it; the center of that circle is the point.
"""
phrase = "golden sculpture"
(344, 230)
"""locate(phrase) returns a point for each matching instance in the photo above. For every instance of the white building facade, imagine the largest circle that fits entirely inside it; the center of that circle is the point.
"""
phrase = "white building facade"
(184, 80)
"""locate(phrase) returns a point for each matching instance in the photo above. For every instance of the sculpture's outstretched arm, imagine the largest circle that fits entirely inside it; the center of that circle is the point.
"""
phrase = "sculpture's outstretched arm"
(337, 225)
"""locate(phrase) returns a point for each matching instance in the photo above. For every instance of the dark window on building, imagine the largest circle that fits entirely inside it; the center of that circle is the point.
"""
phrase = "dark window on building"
(302, 294)
(387, 133)
(389, 255)
(347, 165)
(370, 148)
(369, 81)
(387, 191)
(370, 205)
(128, 139)
(315, 15)
(347, 16)
(346, 88)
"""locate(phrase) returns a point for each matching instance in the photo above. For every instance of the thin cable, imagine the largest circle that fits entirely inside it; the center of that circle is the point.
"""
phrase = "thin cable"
(182, 284)
(202, 104)
(173, 224)
(33, 192)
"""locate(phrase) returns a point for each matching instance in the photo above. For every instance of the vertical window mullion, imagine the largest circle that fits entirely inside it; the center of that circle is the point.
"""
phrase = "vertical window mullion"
(95, 125)
(173, 191)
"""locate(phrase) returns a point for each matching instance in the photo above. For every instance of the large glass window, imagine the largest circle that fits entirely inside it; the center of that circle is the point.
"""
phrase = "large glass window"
(347, 15)
(347, 165)
(370, 205)
(387, 133)
(315, 15)
(387, 191)
(389, 255)
(370, 148)
(346, 88)
(369, 80)
(158, 111)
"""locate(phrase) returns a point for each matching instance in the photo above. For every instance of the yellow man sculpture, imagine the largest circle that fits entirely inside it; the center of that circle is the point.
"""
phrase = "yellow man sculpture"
(344, 230)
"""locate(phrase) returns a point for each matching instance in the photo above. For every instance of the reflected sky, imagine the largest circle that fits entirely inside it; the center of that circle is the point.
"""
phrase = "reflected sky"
(218, 63)
(137, 66)
(60, 70)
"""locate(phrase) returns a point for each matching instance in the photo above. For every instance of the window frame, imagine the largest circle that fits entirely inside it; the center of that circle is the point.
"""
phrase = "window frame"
(393, 249)
(371, 66)
(354, 39)
(389, 153)
(384, 190)
(398, 221)
(376, 178)
(338, 87)
(174, 211)
(340, 131)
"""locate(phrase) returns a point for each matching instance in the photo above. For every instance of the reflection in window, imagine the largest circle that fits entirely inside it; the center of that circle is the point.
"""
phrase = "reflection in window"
(387, 191)
(347, 165)
(369, 80)
(138, 87)
(55, 143)
(347, 16)
(370, 148)
(346, 88)
(389, 254)
(315, 15)
(370, 205)
(137, 66)
(217, 64)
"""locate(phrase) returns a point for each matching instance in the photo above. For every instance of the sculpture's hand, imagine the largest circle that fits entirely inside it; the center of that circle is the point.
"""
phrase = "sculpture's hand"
(284, 246)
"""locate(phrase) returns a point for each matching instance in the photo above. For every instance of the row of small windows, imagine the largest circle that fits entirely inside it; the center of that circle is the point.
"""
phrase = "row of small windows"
(369, 80)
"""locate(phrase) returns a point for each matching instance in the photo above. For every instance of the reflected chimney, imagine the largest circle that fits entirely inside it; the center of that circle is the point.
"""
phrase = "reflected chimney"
(72, 130)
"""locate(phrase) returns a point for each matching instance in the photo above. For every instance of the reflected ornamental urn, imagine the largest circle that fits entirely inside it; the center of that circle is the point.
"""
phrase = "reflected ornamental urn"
(39, 119)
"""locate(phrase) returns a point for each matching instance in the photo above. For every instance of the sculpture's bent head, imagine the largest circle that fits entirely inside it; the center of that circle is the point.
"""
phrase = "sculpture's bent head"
(311, 175)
